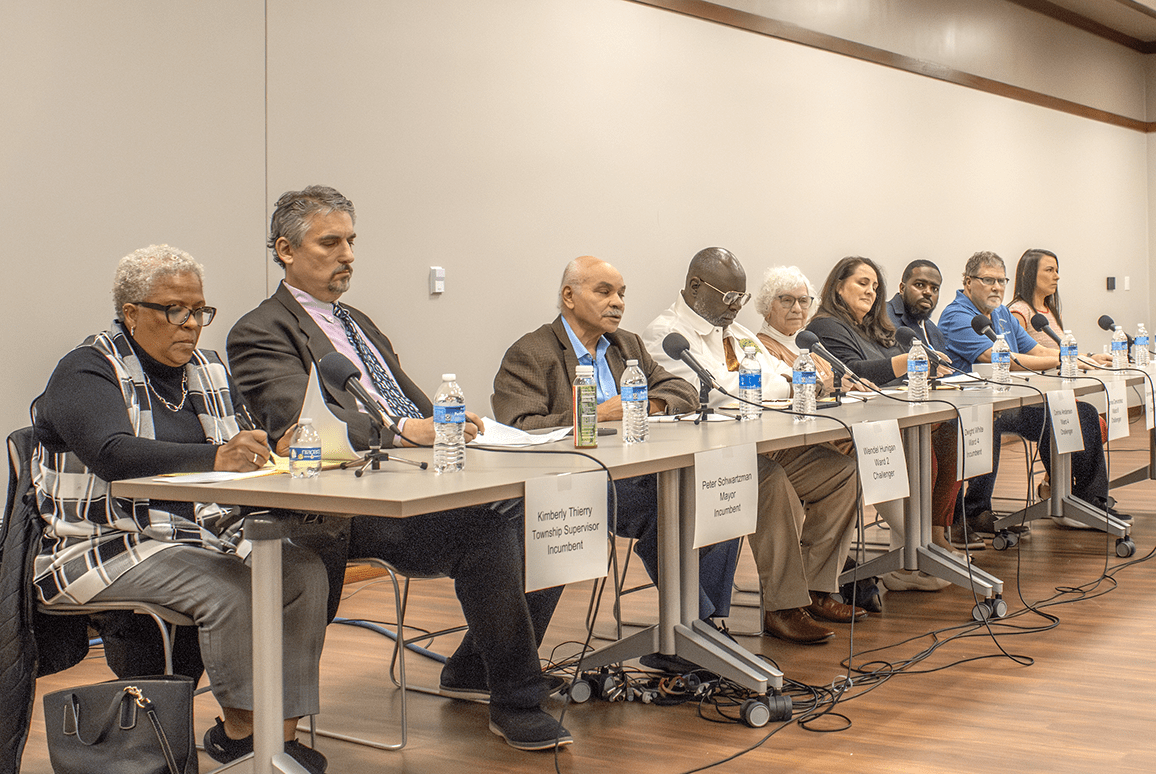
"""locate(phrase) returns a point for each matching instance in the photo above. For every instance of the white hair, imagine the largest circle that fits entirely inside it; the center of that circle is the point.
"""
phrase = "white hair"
(778, 280)
(138, 272)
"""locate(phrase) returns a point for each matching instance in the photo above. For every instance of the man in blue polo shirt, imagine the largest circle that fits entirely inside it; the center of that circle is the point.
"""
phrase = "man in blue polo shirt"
(984, 280)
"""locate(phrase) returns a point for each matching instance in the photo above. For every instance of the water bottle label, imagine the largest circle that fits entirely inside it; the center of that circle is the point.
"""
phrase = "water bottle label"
(305, 454)
(455, 415)
(636, 392)
(1142, 341)
(1120, 346)
(803, 377)
(751, 381)
(1000, 358)
(1069, 351)
(916, 366)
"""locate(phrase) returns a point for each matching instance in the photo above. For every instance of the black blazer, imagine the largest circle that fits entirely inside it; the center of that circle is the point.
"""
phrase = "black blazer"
(271, 351)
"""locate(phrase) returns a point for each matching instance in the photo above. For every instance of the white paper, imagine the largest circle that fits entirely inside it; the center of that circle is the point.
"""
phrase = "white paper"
(882, 464)
(334, 433)
(974, 441)
(1117, 392)
(566, 534)
(1065, 422)
(498, 434)
(726, 494)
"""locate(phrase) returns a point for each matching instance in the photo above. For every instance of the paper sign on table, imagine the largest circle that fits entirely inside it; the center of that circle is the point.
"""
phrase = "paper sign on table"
(566, 535)
(974, 441)
(1117, 392)
(1065, 422)
(726, 483)
(882, 464)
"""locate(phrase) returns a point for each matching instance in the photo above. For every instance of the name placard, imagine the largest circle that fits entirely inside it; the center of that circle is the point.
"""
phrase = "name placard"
(974, 441)
(1117, 409)
(726, 484)
(566, 537)
(882, 464)
(1065, 421)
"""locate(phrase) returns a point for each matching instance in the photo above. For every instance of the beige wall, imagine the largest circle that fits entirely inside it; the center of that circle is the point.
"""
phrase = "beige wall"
(501, 139)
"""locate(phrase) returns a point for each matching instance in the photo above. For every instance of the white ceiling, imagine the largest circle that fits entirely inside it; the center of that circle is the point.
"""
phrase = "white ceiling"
(1135, 18)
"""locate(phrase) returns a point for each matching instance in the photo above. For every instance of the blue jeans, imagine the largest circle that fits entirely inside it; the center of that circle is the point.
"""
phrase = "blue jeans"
(1089, 469)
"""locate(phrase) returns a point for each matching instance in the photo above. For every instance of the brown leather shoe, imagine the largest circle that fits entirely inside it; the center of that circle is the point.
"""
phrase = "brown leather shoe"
(795, 625)
(826, 609)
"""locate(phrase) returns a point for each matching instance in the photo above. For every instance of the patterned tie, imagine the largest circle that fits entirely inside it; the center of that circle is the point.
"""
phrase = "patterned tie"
(399, 405)
(729, 351)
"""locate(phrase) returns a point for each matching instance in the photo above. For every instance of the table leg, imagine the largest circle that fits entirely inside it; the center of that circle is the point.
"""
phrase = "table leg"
(268, 713)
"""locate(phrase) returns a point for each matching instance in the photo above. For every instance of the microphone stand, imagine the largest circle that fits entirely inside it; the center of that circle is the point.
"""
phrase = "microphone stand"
(836, 389)
(373, 458)
(704, 409)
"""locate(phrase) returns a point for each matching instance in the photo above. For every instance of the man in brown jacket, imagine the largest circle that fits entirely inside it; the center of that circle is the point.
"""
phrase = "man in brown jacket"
(533, 389)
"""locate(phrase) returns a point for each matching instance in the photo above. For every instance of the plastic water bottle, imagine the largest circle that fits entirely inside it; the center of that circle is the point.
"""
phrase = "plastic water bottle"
(1069, 353)
(449, 426)
(1140, 352)
(803, 385)
(635, 404)
(305, 450)
(585, 408)
(750, 385)
(1119, 348)
(1001, 364)
(917, 372)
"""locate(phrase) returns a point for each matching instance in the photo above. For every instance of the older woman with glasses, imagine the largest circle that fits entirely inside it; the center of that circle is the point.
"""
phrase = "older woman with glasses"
(137, 400)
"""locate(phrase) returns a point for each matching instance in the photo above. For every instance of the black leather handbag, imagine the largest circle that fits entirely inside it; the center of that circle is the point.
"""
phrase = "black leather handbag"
(142, 726)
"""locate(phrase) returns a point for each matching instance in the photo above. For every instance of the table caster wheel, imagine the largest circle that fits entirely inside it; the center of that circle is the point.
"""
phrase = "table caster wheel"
(838, 597)
(579, 691)
(982, 612)
(755, 713)
(998, 607)
(1001, 542)
(1125, 547)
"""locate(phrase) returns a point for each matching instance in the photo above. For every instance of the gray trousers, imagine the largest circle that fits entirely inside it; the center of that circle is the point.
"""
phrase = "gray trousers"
(215, 590)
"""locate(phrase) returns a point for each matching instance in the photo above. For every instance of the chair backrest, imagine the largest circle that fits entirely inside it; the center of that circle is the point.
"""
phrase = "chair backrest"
(20, 444)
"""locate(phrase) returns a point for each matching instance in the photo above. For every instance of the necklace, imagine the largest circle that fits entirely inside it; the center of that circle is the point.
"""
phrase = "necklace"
(184, 392)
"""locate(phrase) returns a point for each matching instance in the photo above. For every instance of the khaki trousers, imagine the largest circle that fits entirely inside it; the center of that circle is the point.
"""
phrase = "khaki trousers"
(807, 499)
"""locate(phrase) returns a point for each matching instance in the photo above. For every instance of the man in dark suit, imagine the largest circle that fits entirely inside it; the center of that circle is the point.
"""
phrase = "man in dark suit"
(533, 389)
(272, 350)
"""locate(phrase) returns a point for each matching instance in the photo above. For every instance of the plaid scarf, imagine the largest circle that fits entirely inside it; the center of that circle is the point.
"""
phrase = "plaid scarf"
(90, 537)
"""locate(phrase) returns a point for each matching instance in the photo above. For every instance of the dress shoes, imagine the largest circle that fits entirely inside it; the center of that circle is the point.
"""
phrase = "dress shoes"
(982, 524)
(972, 541)
(795, 625)
(912, 580)
(824, 608)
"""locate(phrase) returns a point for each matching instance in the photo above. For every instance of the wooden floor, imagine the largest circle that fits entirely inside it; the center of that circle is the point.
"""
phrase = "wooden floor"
(1024, 696)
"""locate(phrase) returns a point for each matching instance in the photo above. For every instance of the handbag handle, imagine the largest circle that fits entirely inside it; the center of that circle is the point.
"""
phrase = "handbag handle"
(133, 697)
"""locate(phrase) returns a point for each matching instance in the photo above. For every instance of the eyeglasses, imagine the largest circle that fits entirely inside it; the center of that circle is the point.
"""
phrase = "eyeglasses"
(179, 315)
(731, 297)
(788, 302)
(992, 281)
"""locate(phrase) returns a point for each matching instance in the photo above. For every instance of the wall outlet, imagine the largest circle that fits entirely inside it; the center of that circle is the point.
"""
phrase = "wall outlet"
(437, 280)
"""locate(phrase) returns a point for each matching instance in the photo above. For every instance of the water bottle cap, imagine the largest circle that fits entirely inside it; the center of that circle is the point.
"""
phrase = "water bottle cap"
(631, 363)
(585, 370)
(449, 377)
(750, 349)
(304, 421)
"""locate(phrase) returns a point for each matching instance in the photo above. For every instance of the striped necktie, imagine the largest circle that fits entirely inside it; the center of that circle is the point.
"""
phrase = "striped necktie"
(396, 401)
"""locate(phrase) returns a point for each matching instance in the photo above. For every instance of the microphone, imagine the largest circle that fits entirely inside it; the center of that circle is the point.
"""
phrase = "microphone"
(336, 369)
(1040, 323)
(808, 340)
(981, 325)
(906, 337)
(677, 347)
(1108, 324)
